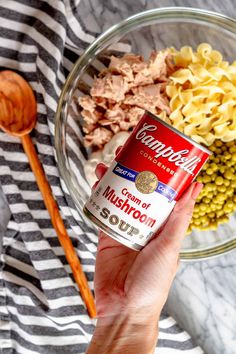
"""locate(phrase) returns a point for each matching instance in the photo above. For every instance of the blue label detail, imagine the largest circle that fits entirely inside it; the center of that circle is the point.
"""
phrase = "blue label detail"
(125, 172)
(130, 175)
(167, 191)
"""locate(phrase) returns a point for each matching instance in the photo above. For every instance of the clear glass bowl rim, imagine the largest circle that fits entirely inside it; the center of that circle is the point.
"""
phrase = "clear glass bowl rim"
(165, 14)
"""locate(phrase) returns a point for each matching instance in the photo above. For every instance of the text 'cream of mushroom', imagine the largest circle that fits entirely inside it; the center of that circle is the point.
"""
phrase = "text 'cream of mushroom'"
(139, 190)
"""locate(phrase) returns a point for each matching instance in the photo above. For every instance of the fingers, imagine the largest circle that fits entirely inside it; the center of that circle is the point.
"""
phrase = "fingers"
(107, 242)
(176, 227)
(100, 170)
(95, 185)
(118, 150)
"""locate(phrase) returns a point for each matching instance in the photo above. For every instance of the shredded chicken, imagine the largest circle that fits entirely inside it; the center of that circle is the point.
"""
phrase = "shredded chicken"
(100, 102)
(98, 137)
(87, 103)
(143, 77)
(134, 114)
(147, 97)
(121, 94)
(116, 114)
(110, 86)
(121, 66)
(91, 117)
(157, 64)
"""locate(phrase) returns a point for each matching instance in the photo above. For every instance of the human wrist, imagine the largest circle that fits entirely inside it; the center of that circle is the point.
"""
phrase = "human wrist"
(129, 332)
(135, 316)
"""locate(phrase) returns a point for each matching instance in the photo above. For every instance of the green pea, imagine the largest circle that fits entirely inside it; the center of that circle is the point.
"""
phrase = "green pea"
(200, 179)
(204, 228)
(214, 167)
(218, 143)
(222, 169)
(203, 207)
(229, 163)
(213, 226)
(229, 191)
(227, 209)
(209, 171)
(204, 219)
(222, 188)
(227, 155)
(220, 213)
(221, 202)
(234, 157)
(219, 181)
(202, 213)
(218, 207)
(213, 177)
(206, 179)
(232, 149)
(226, 182)
(233, 184)
(218, 151)
(228, 174)
(229, 204)
(230, 143)
(223, 220)
(220, 196)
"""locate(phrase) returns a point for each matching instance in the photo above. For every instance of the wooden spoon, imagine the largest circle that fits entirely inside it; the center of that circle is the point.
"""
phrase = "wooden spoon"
(18, 111)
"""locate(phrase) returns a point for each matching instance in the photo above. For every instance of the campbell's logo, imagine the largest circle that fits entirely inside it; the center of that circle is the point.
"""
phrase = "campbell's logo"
(179, 158)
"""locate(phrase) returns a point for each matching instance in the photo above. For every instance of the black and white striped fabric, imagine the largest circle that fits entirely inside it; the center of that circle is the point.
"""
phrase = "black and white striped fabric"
(41, 310)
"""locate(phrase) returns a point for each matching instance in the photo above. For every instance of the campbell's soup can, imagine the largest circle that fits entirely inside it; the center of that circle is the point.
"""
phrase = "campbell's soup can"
(140, 188)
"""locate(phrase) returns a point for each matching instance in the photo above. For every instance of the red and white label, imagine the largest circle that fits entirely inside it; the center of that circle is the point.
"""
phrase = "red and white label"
(123, 204)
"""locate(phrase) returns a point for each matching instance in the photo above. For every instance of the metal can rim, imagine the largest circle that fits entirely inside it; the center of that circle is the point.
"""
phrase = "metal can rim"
(203, 148)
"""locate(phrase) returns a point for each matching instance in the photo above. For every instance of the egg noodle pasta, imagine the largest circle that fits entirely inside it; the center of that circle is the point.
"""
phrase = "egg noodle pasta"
(202, 95)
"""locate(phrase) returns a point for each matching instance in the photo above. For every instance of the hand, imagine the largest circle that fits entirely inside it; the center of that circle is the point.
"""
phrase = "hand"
(127, 281)
(131, 287)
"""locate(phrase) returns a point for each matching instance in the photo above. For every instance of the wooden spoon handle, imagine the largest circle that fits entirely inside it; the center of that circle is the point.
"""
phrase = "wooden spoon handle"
(58, 225)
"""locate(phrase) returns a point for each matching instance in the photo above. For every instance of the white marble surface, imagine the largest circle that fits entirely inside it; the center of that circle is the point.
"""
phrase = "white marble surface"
(203, 297)
(203, 301)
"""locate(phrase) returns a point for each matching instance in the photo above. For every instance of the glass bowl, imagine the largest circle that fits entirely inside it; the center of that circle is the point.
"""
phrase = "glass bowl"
(150, 30)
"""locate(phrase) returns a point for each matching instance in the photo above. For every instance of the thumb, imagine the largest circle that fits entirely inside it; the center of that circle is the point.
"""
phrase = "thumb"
(176, 226)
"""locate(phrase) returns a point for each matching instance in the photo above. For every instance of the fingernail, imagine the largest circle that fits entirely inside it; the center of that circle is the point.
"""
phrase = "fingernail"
(100, 165)
(118, 149)
(95, 185)
(196, 190)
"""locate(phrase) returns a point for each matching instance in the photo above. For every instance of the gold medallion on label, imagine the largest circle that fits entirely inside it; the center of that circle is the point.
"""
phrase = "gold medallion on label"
(146, 182)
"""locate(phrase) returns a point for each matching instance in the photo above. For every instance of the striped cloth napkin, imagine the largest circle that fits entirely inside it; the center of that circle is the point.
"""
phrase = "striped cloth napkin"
(41, 310)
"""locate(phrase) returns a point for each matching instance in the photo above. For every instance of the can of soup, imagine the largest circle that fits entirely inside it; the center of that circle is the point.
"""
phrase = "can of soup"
(140, 188)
